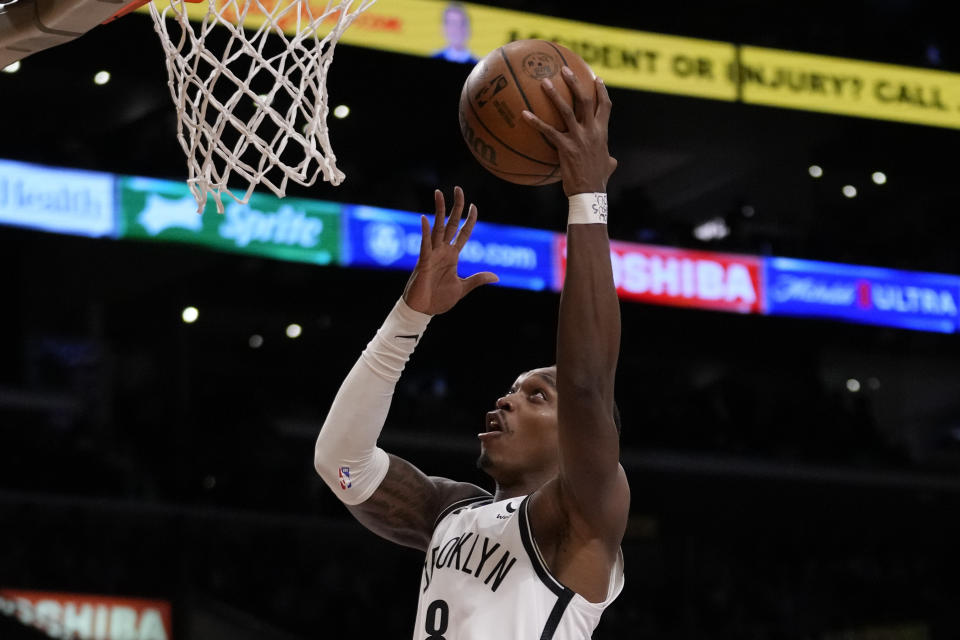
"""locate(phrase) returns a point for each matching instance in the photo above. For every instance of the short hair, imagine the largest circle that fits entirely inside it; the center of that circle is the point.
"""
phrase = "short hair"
(458, 8)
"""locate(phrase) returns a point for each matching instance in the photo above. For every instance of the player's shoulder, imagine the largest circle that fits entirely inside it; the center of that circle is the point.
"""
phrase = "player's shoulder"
(454, 495)
(555, 513)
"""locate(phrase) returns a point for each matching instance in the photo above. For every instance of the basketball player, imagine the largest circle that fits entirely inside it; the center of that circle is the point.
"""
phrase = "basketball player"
(540, 558)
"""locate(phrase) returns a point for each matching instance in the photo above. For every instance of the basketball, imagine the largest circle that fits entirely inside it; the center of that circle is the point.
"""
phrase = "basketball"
(499, 88)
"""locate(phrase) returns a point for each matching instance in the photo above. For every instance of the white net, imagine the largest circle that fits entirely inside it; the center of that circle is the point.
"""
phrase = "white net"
(249, 81)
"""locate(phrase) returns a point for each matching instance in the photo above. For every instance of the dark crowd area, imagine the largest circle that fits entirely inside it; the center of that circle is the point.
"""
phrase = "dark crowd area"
(144, 456)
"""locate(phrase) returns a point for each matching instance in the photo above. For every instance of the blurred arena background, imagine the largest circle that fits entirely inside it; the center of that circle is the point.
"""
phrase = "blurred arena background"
(793, 477)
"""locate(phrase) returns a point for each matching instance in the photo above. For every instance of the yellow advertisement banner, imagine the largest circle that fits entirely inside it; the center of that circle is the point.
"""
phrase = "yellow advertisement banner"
(849, 87)
(623, 58)
(465, 32)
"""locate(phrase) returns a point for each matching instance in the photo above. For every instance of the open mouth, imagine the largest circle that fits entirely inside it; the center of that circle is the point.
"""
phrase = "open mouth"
(493, 425)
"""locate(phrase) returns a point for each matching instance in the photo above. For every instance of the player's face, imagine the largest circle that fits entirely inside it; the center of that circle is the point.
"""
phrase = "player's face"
(520, 435)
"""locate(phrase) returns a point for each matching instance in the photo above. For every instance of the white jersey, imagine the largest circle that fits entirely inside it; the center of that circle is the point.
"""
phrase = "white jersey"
(484, 579)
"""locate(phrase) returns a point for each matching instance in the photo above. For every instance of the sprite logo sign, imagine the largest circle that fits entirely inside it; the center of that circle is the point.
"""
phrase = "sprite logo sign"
(289, 229)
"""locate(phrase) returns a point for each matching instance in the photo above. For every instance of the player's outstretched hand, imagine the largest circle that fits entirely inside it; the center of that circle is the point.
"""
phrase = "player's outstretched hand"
(585, 163)
(434, 286)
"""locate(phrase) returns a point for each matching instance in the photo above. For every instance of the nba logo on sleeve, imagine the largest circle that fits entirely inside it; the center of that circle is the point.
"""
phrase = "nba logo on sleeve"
(345, 478)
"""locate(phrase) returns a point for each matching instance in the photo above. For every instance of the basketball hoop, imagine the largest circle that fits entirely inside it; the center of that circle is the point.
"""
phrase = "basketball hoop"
(252, 101)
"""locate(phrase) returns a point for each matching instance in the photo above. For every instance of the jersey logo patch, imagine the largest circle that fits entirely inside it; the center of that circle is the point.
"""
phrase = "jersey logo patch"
(345, 478)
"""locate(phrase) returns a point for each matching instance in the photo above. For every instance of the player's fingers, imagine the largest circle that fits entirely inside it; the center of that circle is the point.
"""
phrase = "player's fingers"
(604, 104)
(478, 279)
(467, 229)
(454, 220)
(569, 117)
(424, 238)
(440, 210)
(583, 104)
(548, 131)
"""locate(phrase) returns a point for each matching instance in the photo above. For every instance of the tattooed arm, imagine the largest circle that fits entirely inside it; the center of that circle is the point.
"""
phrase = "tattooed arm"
(405, 506)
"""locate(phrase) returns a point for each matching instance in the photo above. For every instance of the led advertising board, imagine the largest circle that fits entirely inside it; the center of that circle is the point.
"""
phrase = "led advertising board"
(681, 278)
(642, 60)
(292, 229)
(868, 295)
(388, 239)
(58, 200)
(98, 204)
(849, 87)
(88, 617)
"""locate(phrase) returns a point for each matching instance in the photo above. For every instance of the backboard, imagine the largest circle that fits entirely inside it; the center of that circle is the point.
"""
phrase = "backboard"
(28, 26)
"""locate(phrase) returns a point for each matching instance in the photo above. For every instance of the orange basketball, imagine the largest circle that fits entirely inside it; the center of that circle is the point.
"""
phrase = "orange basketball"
(499, 88)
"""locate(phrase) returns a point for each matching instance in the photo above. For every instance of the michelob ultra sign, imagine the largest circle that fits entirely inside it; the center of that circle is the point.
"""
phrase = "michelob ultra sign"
(88, 617)
(866, 295)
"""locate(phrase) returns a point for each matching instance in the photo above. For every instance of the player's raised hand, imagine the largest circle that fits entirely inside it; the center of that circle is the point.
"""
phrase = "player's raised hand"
(434, 286)
(585, 162)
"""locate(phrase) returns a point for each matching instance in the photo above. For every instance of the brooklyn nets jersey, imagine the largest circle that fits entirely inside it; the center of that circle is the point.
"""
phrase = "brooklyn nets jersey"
(484, 579)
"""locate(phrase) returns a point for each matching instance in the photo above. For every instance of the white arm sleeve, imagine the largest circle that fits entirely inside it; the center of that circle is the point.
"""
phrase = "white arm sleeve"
(346, 455)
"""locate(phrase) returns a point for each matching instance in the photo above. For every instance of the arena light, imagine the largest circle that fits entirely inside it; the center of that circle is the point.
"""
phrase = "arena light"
(190, 315)
(879, 177)
(815, 171)
(850, 191)
(341, 111)
(853, 385)
(294, 330)
(101, 77)
(255, 341)
(713, 229)
(12, 68)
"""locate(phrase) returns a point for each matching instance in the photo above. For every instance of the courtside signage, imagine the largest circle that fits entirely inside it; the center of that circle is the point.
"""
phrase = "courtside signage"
(87, 617)
(292, 229)
(866, 295)
(681, 278)
(83, 203)
(391, 240)
(57, 200)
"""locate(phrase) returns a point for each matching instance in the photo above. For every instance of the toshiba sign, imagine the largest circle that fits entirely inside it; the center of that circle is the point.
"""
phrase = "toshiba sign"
(85, 617)
(677, 277)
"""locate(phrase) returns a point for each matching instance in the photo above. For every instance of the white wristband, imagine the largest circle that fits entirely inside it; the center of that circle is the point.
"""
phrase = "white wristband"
(588, 208)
